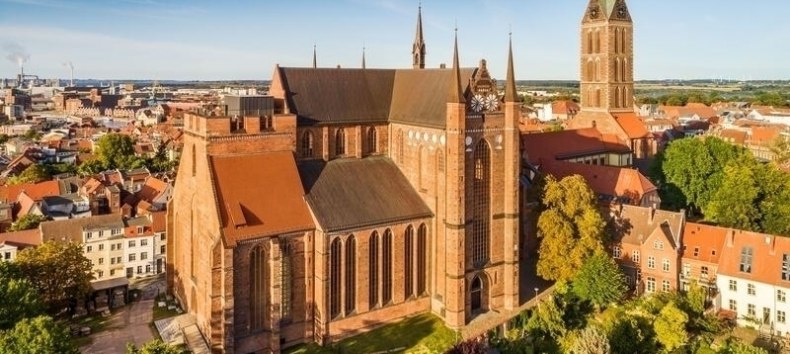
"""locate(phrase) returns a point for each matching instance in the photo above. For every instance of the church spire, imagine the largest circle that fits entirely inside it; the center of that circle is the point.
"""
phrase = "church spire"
(315, 62)
(418, 49)
(510, 85)
(456, 93)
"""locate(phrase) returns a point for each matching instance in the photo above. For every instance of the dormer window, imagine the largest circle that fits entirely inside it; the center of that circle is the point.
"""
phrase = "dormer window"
(140, 229)
(746, 259)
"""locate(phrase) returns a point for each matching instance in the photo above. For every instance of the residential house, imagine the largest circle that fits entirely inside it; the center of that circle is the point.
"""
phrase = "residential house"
(702, 248)
(13, 242)
(141, 246)
(67, 206)
(754, 280)
(647, 246)
(155, 192)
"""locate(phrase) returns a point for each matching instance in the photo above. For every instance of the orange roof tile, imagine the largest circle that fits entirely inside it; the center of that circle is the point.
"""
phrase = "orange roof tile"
(765, 135)
(605, 180)
(546, 147)
(151, 189)
(30, 237)
(631, 125)
(733, 136)
(705, 241)
(259, 195)
(767, 254)
(35, 191)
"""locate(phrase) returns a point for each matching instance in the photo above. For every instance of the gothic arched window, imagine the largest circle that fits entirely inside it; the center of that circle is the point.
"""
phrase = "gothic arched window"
(194, 160)
(340, 142)
(372, 141)
(373, 275)
(257, 287)
(481, 196)
(422, 249)
(408, 265)
(286, 290)
(386, 261)
(440, 162)
(401, 143)
(307, 144)
(351, 274)
(335, 251)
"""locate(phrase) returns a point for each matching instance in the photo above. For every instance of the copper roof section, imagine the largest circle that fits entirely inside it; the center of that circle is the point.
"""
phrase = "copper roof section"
(354, 193)
(259, 195)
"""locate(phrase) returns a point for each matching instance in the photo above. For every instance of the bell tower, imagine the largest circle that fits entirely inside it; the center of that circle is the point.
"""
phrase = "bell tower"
(418, 49)
(607, 57)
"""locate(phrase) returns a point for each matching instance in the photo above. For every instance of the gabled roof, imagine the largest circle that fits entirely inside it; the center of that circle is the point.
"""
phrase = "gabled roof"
(30, 237)
(615, 182)
(336, 96)
(635, 225)
(546, 147)
(767, 254)
(353, 193)
(259, 195)
(631, 125)
(71, 229)
(35, 191)
(151, 189)
(705, 241)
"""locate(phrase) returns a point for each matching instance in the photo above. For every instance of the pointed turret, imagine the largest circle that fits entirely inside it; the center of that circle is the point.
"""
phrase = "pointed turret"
(511, 95)
(418, 49)
(315, 62)
(456, 92)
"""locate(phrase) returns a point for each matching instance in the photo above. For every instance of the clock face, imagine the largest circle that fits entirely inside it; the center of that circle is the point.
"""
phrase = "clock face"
(492, 102)
(478, 102)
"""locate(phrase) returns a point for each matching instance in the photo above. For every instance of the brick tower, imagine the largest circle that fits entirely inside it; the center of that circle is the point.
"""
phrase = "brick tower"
(607, 57)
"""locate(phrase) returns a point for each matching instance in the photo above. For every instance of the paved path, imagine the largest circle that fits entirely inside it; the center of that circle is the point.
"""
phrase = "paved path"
(128, 324)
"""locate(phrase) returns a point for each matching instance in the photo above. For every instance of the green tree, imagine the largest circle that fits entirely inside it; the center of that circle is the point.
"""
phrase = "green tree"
(32, 174)
(591, 340)
(156, 346)
(547, 319)
(600, 281)
(4, 138)
(18, 298)
(36, 336)
(670, 327)
(696, 167)
(27, 222)
(571, 228)
(781, 149)
(695, 299)
(58, 270)
(117, 151)
(91, 167)
(733, 204)
(631, 334)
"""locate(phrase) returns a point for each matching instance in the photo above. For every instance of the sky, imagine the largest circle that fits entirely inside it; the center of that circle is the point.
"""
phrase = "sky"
(244, 39)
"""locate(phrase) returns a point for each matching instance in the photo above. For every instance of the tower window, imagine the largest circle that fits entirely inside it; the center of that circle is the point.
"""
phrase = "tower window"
(257, 287)
(340, 142)
(372, 141)
(481, 213)
(408, 258)
(386, 274)
(373, 276)
(351, 274)
(194, 160)
(335, 251)
(307, 144)
(422, 245)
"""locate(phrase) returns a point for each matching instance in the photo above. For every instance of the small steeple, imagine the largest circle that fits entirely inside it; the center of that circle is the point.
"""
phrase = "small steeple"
(456, 94)
(418, 49)
(363, 57)
(511, 95)
(315, 62)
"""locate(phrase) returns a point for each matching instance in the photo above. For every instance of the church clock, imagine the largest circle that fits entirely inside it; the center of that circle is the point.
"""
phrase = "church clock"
(622, 12)
(478, 103)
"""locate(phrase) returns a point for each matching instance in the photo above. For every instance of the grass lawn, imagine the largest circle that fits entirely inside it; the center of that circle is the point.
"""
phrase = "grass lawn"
(421, 334)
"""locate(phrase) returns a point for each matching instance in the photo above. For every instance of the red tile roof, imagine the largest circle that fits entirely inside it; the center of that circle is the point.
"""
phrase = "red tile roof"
(631, 125)
(151, 189)
(30, 237)
(35, 191)
(605, 180)
(764, 136)
(546, 147)
(704, 240)
(767, 254)
(259, 195)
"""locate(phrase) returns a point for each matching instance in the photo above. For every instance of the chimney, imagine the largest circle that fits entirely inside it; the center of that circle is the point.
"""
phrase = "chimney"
(442, 66)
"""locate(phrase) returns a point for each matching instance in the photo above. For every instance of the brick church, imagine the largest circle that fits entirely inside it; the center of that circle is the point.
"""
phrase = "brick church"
(352, 198)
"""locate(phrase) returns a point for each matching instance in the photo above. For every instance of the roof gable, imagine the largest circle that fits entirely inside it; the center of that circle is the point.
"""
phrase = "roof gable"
(259, 195)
